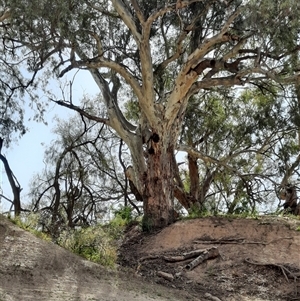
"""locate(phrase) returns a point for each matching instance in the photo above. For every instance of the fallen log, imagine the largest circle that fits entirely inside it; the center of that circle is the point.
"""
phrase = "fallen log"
(186, 255)
(207, 254)
(239, 240)
(174, 258)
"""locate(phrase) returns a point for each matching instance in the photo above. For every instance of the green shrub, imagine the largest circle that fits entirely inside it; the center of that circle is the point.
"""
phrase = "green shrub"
(124, 213)
(92, 243)
(122, 218)
(195, 211)
(30, 222)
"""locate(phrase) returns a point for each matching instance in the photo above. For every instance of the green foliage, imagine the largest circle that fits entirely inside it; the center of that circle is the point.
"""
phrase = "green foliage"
(30, 223)
(195, 212)
(132, 110)
(95, 243)
(122, 218)
(123, 215)
(92, 243)
(242, 207)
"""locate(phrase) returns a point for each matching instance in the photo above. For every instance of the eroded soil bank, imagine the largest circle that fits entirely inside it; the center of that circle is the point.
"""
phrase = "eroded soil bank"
(32, 269)
(259, 259)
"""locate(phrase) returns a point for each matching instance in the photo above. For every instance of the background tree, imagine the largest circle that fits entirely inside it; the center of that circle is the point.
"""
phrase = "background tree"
(232, 143)
(14, 184)
(160, 55)
(83, 179)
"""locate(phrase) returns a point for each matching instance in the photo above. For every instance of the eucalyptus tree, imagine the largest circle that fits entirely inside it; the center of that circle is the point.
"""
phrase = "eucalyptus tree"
(159, 55)
(232, 143)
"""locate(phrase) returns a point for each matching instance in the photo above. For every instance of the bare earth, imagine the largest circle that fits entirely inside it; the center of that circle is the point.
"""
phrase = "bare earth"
(259, 260)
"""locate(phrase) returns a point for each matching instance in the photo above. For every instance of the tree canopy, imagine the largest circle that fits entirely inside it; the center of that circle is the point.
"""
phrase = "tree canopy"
(168, 60)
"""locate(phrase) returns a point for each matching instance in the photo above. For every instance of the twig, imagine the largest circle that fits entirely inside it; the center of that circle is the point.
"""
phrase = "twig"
(149, 257)
(211, 297)
(282, 270)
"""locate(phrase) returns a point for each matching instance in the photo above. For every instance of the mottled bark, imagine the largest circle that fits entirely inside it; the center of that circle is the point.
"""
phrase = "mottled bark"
(159, 186)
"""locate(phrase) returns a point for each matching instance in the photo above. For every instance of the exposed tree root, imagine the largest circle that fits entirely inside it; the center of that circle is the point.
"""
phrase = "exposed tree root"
(285, 269)
(240, 240)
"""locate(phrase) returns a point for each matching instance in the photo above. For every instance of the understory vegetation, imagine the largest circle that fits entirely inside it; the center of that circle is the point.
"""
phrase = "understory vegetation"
(98, 243)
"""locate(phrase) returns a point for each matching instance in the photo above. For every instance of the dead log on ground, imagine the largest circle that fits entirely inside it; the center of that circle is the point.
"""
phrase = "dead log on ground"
(207, 254)
(187, 255)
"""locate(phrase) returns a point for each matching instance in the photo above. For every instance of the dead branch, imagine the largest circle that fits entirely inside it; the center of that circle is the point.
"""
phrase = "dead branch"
(240, 240)
(221, 241)
(195, 253)
(174, 258)
(166, 276)
(286, 270)
(187, 255)
(207, 254)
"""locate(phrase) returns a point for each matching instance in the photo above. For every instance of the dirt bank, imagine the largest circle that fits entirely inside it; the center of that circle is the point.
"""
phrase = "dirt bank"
(258, 258)
(33, 269)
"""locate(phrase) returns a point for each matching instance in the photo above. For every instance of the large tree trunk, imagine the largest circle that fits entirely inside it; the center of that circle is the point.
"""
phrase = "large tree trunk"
(159, 187)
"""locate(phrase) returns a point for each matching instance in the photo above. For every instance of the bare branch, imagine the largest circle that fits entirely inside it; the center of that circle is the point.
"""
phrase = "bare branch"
(138, 11)
(127, 18)
(81, 111)
(6, 15)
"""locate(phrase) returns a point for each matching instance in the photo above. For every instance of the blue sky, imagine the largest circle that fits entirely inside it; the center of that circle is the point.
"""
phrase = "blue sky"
(26, 155)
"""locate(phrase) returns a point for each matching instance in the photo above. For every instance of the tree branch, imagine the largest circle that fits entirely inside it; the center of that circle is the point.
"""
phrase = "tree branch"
(188, 75)
(81, 111)
(6, 15)
(127, 18)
